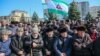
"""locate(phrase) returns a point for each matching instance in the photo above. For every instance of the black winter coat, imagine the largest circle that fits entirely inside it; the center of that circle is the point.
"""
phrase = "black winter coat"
(36, 51)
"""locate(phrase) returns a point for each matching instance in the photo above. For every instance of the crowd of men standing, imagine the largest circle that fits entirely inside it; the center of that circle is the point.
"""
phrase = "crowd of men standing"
(50, 38)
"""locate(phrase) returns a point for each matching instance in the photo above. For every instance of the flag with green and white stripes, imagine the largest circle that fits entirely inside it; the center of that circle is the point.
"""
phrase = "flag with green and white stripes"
(56, 6)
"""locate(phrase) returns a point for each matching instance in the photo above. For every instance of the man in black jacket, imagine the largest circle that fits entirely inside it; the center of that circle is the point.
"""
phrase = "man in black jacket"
(81, 43)
(96, 47)
(34, 43)
(49, 39)
(17, 48)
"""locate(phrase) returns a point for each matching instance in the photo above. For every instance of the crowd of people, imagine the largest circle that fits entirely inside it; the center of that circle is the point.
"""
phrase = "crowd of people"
(50, 38)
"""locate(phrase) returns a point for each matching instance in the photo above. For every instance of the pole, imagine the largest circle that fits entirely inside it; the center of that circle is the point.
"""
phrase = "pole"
(73, 0)
(43, 4)
(44, 12)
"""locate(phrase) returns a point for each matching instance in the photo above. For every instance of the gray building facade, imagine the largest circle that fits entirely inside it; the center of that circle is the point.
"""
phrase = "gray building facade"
(83, 8)
(94, 11)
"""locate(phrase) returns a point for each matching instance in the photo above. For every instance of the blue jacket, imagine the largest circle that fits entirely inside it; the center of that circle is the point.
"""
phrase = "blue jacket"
(5, 47)
(65, 48)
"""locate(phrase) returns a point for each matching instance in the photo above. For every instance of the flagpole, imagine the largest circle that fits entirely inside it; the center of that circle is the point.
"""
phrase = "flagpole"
(43, 11)
(30, 13)
(73, 0)
(43, 4)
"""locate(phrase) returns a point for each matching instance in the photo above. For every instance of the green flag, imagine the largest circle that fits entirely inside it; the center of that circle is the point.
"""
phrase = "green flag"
(57, 6)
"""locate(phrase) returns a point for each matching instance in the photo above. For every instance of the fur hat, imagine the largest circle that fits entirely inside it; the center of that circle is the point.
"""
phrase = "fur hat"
(20, 29)
(35, 29)
(4, 32)
(61, 30)
(81, 28)
(49, 29)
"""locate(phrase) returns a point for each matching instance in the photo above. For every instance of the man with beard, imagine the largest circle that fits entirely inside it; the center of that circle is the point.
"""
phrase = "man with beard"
(34, 43)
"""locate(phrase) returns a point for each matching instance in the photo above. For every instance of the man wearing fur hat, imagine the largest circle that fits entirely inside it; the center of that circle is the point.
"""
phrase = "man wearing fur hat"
(81, 43)
(63, 43)
(17, 47)
(49, 40)
(34, 43)
(5, 43)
